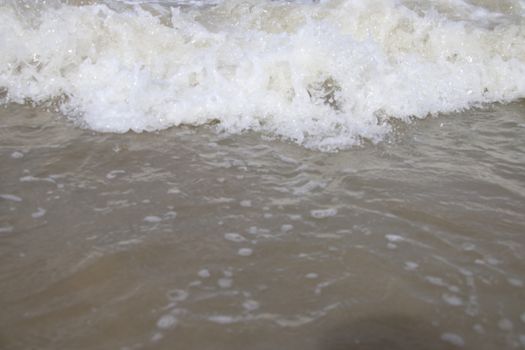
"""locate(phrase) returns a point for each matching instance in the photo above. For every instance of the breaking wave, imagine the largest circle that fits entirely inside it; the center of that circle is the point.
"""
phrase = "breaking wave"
(323, 74)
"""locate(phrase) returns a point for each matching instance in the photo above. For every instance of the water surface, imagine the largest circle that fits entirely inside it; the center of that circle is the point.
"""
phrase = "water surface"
(193, 239)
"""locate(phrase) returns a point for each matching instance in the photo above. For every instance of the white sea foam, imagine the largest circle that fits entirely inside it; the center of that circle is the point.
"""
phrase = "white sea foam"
(40, 212)
(234, 237)
(204, 273)
(250, 305)
(452, 300)
(453, 339)
(323, 74)
(10, 197)
(411, 266)
(245, 251)
(166, 321)
(17, 155)
(225, 282)
(323, 213)
(6, 229)
(152, 219)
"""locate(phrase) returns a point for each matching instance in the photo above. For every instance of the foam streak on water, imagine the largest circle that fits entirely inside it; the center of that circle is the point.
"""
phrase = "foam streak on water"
(325, 75)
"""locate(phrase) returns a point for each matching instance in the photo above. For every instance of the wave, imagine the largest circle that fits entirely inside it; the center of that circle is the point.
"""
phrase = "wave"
(323, 74)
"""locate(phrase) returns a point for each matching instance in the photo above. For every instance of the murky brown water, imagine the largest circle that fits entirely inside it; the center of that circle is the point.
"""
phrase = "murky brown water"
(187, 239)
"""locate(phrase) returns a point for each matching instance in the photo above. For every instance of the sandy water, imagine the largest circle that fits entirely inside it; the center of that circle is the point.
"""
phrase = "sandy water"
(192, 239)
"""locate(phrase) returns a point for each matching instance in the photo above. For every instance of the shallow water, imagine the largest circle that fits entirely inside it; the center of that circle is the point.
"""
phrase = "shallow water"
(192, 239)
(220, 224)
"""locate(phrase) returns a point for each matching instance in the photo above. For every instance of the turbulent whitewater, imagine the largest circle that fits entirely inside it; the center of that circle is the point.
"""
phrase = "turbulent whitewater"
(325, 74)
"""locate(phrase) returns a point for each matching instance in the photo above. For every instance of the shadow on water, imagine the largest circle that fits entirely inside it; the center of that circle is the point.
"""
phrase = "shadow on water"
(390, 332)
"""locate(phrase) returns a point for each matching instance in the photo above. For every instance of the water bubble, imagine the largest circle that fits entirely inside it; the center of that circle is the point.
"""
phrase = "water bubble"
(225, 282)
(453, 339)
(234, 237)
(178, 295)
(152, 219)
(17, 155)
(10, 197)
(245, 252)
(166, 321)
(411, 266)
(323, 213)
(452, 300)
(6, 229)
(114, 173)
(286, 227)
(246, 203)
(394, 238)
(204, 273)
(39, 213)
(250, 305)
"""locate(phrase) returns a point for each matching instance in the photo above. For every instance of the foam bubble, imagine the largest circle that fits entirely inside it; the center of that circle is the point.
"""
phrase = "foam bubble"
(437, 281)
(286, 227)
(17, 155)
(170, 215)
(225, 282)
(10, 197)
(250, 305)
(39, 213)
(394, 238)
(246, 203)
(204, 273)
(6, 229)
(234, 237)
(411, 266)
(222, 319)
(114, 173)
(323, 213)
(174, 190)
(166, 321)
(178, 295)
(453, 339)
(452, 300)
(152, 219)
(245, 252)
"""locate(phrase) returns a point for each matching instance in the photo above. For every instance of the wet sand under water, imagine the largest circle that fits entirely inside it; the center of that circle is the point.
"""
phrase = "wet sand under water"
(188, 239)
